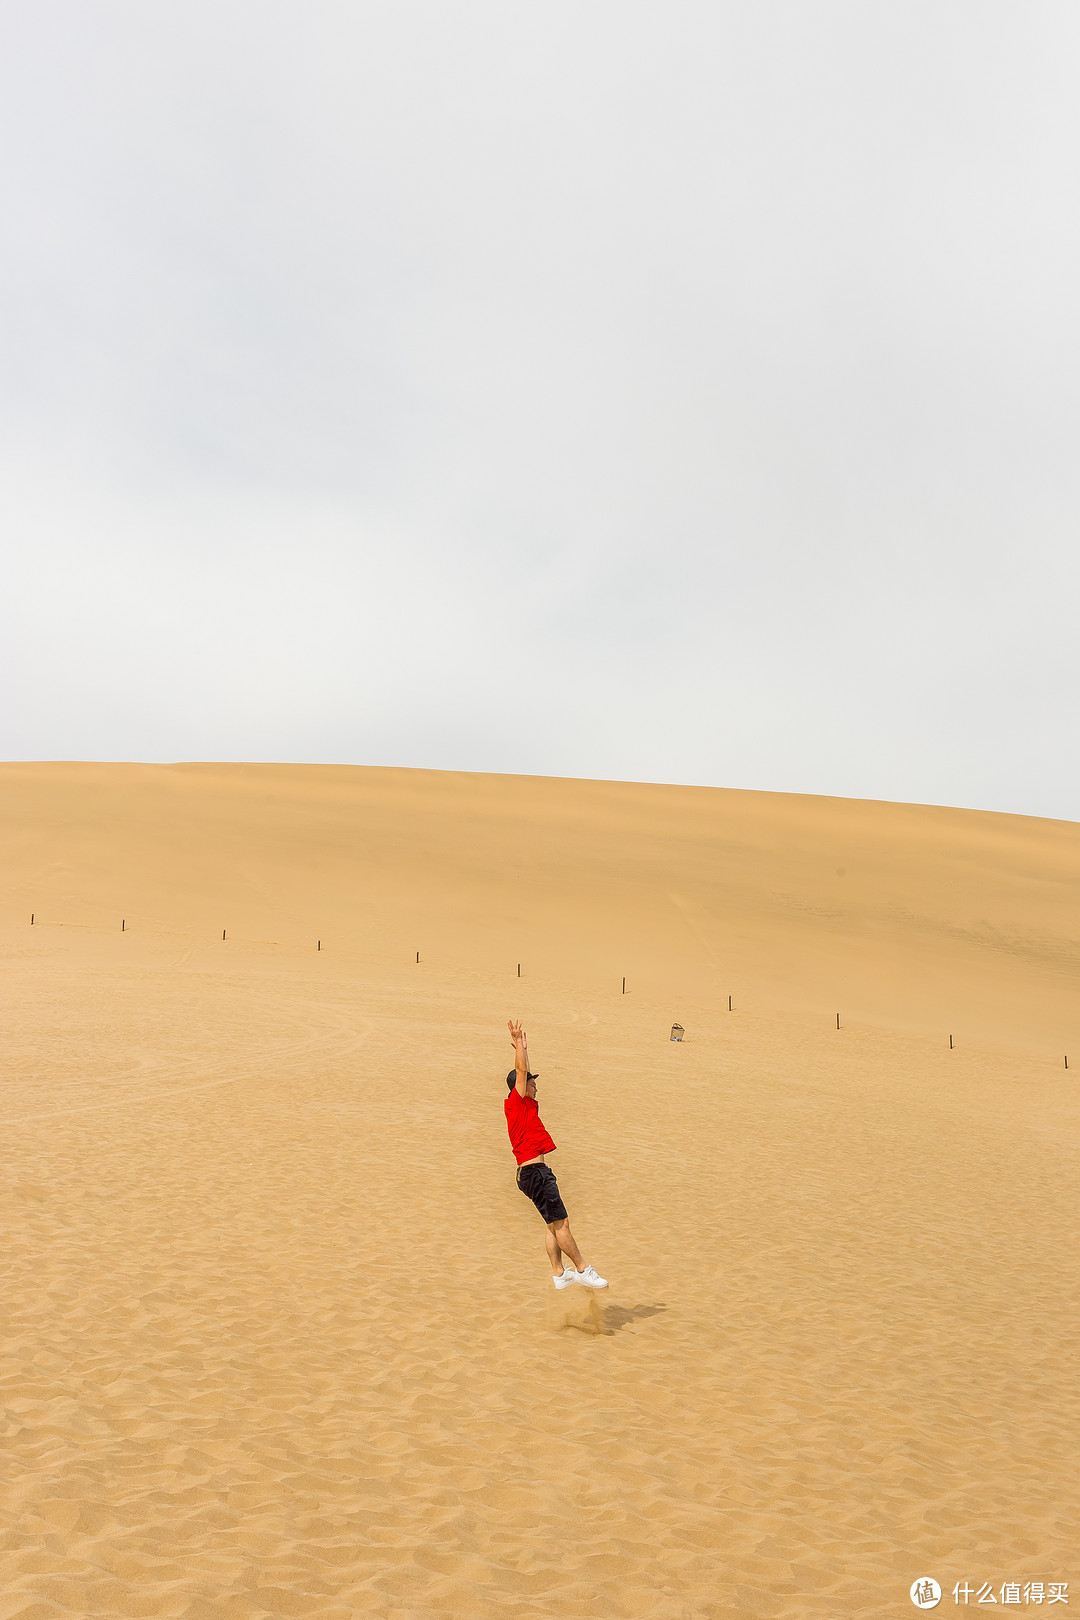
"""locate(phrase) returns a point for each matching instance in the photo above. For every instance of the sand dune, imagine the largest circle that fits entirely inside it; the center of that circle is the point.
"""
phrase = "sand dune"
(278, 1334)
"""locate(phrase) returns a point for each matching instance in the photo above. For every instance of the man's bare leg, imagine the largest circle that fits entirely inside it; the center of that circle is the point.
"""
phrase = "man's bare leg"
(559, 1240)
(554, 1254)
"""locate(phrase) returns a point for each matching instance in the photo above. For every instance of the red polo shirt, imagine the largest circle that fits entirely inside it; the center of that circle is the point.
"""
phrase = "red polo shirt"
(528, 1137)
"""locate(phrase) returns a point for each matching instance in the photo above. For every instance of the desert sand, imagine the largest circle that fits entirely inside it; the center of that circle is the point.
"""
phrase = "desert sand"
(279, 1335)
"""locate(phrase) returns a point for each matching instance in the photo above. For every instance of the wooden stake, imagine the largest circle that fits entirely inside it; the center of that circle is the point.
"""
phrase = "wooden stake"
(223, 933)
(729, 1003)
(519, 970)
(624, 985)
(123, 924)
(31, 919)
(838, 1020)
(318, 945)
(418, 956)
(950, 1043)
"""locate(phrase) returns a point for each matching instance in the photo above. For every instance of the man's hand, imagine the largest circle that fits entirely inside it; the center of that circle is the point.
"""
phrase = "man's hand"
(521, 1054)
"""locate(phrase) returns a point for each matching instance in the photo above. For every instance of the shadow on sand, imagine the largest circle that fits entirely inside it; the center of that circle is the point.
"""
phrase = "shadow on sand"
(615, 1317)
(582, 1309)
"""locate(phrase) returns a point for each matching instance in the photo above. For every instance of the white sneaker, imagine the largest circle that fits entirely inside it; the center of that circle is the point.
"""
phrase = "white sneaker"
(590, 1279)
(569, 1276)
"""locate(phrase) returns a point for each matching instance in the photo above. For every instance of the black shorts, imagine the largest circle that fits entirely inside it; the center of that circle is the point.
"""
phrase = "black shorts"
(538, 1183)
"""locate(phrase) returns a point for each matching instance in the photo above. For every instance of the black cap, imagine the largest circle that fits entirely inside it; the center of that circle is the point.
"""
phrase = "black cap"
(511, 1079)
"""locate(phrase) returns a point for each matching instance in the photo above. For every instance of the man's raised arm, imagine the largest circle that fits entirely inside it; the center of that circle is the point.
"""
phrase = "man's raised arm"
(521, 1055)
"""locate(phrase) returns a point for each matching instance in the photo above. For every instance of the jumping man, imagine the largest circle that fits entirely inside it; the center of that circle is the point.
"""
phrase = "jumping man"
(530, 1142)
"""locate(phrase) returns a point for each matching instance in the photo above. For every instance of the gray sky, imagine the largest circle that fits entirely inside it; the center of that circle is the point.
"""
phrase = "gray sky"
(669, 393)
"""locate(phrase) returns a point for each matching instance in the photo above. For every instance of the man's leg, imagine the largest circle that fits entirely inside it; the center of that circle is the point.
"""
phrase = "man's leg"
(559, 1237)
(551, 1244)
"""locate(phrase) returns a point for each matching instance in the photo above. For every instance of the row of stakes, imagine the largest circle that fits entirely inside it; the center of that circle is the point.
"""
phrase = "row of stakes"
(677, 1031)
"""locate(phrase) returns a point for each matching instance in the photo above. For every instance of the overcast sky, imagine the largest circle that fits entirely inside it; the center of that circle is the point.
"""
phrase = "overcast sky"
(680, 394)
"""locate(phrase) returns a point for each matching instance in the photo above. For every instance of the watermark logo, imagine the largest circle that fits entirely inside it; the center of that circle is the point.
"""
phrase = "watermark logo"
(926, 1593)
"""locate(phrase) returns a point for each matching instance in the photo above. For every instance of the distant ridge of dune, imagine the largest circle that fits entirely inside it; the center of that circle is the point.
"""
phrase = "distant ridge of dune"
(920, 916)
